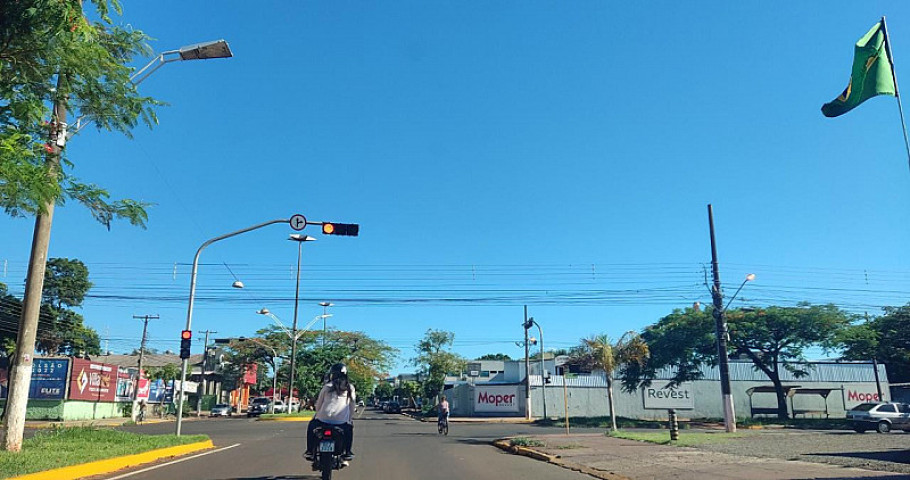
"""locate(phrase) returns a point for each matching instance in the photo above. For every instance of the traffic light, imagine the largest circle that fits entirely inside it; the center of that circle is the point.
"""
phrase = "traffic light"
(186, 341)
(346, 229)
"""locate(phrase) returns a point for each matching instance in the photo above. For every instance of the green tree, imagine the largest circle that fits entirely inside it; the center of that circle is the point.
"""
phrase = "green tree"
(772, 338)
(383, 390)
(886, 338)
(410, 390)
(435, 359)
(495, 356)
(52, 53)
(598, 352)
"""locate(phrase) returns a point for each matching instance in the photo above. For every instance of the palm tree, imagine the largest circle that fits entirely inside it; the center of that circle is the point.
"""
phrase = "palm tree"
(598, 352)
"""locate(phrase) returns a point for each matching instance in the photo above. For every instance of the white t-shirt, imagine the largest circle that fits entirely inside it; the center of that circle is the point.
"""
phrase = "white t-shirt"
(334, 408)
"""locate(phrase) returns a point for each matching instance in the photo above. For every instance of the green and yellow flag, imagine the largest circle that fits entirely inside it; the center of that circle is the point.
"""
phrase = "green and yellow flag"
(872, 73)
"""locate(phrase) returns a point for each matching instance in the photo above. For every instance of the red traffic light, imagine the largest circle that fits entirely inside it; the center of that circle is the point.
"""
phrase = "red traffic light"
(186, 335)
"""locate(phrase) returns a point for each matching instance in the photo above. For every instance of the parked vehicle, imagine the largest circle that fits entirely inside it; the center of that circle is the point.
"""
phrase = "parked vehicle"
(258, 406)
(330, 447)
(280, 407)
(221, 410)
(880, 416)
(392, 407)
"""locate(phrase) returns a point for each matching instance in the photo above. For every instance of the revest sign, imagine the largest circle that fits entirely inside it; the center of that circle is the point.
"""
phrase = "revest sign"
(664, 396)
(496, 398)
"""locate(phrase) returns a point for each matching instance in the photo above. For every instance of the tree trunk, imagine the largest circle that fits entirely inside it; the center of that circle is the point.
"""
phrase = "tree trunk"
(610, 403)
(782, 411)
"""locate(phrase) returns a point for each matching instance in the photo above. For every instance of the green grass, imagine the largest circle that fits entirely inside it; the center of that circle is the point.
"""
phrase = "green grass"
(61, 447)
(604, 422)
(686, 439)
(302, 413)
(525, 442)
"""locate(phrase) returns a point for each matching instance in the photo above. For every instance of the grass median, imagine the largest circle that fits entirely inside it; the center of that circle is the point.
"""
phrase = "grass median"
(62, 447)
(686, 439)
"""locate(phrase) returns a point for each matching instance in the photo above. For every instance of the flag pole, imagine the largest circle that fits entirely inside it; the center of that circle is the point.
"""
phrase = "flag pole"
(900, 107)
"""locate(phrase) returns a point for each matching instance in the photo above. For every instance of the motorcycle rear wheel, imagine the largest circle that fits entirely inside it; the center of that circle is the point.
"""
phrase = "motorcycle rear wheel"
(326, 461)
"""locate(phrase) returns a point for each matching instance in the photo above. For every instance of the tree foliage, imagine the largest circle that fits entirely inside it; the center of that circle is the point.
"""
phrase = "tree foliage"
(61, 330)
(435, 359)
(50, 51)
(772, 338)
(886, 338)
(495, 356)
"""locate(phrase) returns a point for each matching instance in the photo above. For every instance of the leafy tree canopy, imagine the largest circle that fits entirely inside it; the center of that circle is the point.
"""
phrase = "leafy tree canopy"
(435, 359)
(886, 338)
(495, 356)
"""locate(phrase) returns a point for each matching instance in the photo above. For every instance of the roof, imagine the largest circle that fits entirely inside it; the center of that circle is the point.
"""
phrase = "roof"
(148, 360)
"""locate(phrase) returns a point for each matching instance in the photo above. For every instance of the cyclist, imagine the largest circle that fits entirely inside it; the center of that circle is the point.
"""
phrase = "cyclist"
(443, 410)
(334, 406)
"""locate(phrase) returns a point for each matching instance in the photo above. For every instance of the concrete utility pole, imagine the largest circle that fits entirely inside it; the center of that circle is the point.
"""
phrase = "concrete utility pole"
(527, 368)
(145, 327)
(21, 367)
(721, 330)
(205, 356)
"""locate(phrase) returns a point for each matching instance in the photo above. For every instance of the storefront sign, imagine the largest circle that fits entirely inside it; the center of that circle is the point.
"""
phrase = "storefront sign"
(664, 396)
(92, 381)
(496, 398)
(856, 397)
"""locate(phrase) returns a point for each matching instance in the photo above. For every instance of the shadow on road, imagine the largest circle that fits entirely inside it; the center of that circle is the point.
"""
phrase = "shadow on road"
(473, 441)
(894, 456)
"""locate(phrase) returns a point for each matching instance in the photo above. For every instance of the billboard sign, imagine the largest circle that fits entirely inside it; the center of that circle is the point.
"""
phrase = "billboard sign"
(664, 396)
(92, 381)
(125, 383)
(496, 398)
(49, 378)
(144, 389)
(156, 391)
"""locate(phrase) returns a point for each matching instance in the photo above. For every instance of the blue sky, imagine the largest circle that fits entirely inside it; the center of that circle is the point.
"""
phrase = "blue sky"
(496, 154)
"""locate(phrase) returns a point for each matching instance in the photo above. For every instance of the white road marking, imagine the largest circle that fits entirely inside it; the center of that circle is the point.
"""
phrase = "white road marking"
(173, 462)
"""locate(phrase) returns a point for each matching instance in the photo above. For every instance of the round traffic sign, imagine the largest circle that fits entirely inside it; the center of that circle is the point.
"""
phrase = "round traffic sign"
(297, 221)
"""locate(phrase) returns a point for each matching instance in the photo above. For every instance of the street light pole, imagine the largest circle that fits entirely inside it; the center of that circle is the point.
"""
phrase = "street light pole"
(527, 369)
(543, 380)
(299, 239)
(189, 310)
(720, 323)
(324, 306)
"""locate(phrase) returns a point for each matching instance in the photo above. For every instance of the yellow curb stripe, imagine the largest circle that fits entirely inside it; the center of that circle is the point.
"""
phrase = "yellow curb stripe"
(109, 465)
(284, 419)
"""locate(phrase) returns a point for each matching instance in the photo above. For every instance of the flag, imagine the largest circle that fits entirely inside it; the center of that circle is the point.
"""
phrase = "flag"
(872, 73)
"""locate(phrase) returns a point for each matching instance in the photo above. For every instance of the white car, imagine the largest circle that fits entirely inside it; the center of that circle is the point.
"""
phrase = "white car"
(280, 407)
(221, 410)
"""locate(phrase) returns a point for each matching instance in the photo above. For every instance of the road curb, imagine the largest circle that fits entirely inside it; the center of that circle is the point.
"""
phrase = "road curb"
(108, 465)
(505, 444)
(284, 419)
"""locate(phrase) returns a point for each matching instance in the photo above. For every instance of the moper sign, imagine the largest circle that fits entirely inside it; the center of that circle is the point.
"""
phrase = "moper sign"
(664, 396)
(496, 398)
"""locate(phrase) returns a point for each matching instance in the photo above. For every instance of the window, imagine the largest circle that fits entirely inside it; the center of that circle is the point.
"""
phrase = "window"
(887, 409)
(485, 373)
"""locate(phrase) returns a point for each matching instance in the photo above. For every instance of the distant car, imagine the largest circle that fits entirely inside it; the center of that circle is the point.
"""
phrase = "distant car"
(881, 417)
(360, 403)
(392, 407)
(258, 406)
(280, 407)
(221, 410)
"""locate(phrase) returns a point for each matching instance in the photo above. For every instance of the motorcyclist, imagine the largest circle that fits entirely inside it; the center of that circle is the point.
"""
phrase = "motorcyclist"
(334, 406)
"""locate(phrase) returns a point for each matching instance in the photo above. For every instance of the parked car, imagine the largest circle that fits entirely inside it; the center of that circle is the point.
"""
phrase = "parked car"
(392, 407)
(221, 410)
(258, 406)
(280, 407)
(880, 416)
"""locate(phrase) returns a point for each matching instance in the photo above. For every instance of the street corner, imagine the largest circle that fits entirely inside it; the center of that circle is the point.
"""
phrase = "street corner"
(109, 465)
(506, 444)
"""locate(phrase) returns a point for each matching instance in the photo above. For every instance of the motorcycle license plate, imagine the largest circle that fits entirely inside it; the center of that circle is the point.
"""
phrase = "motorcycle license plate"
(327, 446)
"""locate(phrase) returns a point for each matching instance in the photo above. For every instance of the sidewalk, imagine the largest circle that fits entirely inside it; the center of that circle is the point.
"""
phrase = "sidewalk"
(470, 419)
(617, 459)
(101, 422)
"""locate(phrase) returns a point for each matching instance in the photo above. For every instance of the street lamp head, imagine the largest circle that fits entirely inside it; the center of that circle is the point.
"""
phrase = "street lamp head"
(264, 311)
(750, 277)
(206, 50)
(326, 304)
(237, 284)
(301, 238)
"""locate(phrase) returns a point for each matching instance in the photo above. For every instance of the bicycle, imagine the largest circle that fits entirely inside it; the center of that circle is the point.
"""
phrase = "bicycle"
(443, 424)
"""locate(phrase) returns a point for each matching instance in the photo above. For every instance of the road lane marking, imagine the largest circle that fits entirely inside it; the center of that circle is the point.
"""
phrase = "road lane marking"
(173, 462)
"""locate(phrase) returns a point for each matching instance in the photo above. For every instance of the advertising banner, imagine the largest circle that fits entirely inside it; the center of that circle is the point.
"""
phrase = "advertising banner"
(92, 381)
(48, 379)
(664, 396)
(496, 398)
(144, 389)
(156, 391)
(125, 382)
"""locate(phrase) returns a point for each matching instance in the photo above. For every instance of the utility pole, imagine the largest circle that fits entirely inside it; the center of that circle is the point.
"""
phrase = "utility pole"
(527, 368)
(21, 366)
(205, 356)
(721, 331)
(325, 306)
(299, 239)
(145, 327)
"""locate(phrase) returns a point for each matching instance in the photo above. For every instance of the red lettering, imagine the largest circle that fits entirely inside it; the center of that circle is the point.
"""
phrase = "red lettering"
(854, 396)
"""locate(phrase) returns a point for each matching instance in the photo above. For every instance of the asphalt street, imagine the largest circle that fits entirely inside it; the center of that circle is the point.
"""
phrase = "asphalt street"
(387, 447)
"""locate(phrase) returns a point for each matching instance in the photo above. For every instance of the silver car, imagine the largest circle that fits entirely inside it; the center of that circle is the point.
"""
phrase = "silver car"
(221, 410)
(881, 417)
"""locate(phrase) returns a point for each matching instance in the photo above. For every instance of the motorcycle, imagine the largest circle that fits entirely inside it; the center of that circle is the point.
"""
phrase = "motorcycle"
(330, 447)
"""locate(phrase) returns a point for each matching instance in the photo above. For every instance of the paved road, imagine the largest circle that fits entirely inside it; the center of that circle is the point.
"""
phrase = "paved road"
(387, 447)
